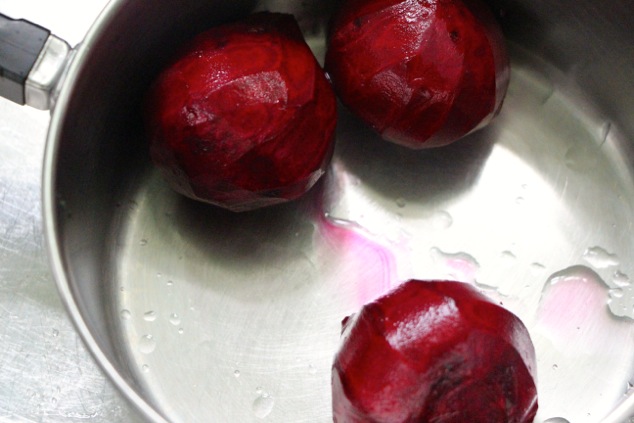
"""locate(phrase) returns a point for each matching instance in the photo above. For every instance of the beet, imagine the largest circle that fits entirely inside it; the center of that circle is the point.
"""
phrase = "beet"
(244, 117)
(422, 73)
(434, 351)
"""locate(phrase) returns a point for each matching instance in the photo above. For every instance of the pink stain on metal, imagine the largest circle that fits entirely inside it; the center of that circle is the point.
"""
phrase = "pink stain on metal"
(574, 308)
(364, 263)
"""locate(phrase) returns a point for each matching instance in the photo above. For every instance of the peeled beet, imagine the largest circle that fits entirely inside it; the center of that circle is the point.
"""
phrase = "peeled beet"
(244, 117)
(436, 351)
(423, 73)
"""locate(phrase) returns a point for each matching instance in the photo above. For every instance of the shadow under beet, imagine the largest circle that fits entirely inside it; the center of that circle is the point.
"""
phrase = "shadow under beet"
(253, 256)
(274, 252)
(417, 176)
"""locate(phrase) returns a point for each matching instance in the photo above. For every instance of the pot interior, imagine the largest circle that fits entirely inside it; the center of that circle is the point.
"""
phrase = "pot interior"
(204, 315)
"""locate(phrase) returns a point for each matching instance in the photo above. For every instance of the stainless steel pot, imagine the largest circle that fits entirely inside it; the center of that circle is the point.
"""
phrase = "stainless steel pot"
(197, 314)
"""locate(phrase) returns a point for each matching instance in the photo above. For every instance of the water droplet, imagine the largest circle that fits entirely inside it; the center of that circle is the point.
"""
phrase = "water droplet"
(145, 368)
(616, 293)
(555, 367)
(236, 373)
(263, 405)
(581, 157)
(181, 330)
(620, 279)
(125, 314)
(442, 220)
(486, 287)
(159, 275)
(149, 316)
(170, 283)
(175, 319)
(580, 274)
(537, 267)
(400, 202)
(143, 242)
(312, 369)
(599, 258)
(459, 266)
(122, 289)
(55, 333)
(605, 132)
(585, 286)
(147, 344)
(556, 420)
(519, 200)
(508, 256)
(342, 223)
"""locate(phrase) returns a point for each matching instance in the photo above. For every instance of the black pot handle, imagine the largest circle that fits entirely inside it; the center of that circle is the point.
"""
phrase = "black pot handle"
(31, 62)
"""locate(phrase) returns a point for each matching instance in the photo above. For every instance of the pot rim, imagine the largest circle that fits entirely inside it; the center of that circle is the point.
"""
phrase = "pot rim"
(49, 214)
(52, 240)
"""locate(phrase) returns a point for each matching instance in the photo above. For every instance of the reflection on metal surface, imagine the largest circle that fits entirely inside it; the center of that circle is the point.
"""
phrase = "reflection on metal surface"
(263, 294)
(46, 373)
(48, 69)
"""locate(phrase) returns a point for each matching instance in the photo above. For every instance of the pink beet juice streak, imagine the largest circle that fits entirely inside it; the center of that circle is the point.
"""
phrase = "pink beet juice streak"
(372, 263)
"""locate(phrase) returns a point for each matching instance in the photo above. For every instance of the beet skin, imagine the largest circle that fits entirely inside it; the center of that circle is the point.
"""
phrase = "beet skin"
(434, 351)
(423, 73)
(244, 117)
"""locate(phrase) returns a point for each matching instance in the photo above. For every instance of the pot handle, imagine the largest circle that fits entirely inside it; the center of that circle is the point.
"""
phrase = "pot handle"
(32, 61)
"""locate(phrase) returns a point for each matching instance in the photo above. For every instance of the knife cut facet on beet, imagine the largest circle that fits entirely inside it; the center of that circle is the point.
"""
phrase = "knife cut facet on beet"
(245, 116)
(422, 73)
(434, 352)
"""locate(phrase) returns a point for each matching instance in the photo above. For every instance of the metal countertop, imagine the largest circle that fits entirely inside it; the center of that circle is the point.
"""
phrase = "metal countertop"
(46, 374)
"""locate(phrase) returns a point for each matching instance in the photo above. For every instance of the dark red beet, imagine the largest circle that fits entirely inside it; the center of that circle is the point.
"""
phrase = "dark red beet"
(438, 352)
(423, 73)
(244, 117)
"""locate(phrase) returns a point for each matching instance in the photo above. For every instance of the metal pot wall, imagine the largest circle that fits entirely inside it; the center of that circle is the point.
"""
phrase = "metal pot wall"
(197, 314)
